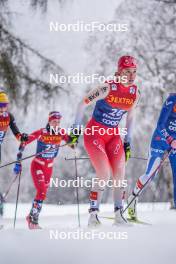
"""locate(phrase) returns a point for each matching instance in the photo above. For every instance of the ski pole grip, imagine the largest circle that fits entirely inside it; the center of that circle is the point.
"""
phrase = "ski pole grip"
(21, 149)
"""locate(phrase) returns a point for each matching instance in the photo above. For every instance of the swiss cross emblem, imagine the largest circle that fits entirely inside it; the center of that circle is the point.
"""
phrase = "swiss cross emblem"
(114, 87)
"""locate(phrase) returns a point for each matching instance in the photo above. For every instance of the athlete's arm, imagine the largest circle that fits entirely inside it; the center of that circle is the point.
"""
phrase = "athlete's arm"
(130, 119)
(14, 127)
(33, 136)
(19, 136)
(163, 118)
(93, 96)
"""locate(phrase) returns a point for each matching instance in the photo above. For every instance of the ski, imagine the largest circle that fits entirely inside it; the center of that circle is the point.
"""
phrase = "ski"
(135, 221)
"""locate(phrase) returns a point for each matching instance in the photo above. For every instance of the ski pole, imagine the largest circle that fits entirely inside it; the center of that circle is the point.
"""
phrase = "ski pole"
(4, 195)
(19, 157)
(17, 198)
(86, 158)
(33, 155)
(77, 191)
(152, 175)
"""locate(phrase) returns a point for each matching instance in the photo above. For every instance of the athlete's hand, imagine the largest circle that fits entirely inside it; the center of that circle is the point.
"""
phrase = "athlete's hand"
(173, 144)
(73, 138)
(74, 135)
(24, 137)
(18, 168)
(127, 150)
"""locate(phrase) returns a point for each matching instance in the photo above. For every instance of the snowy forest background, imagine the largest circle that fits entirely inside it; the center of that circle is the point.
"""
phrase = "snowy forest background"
(29, 52)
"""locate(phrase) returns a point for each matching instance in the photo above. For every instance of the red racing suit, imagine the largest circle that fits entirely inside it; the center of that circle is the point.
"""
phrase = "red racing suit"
(42, 164)
(106, 150)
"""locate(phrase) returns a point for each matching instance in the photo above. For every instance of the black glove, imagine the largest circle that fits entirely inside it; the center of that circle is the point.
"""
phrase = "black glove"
(127, 150)
(20, 153)
(24, 137)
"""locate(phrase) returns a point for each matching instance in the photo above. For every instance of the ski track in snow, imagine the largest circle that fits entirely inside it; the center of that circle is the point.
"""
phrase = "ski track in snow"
(144, 244)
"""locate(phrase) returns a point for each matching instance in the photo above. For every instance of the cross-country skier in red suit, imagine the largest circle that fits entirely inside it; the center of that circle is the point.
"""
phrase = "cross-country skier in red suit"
(107, 152)
(42, 164)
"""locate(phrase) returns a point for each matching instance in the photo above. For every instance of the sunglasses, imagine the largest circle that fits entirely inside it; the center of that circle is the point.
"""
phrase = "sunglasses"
(3, 105)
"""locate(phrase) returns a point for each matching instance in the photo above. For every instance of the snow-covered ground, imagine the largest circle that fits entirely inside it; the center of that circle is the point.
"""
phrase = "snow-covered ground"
(58, 241)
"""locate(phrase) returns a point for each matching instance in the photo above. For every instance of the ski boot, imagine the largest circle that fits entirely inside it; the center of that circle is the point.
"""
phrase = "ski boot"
(32, 222)
(132, 209)
(119, 218)
(32, 218)
(93, 218)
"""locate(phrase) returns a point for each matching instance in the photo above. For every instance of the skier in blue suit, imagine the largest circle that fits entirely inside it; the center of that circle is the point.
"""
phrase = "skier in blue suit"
(163, 140)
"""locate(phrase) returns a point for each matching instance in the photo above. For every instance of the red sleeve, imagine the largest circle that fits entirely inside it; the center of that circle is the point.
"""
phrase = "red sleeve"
(66, 137)
(33, 136)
